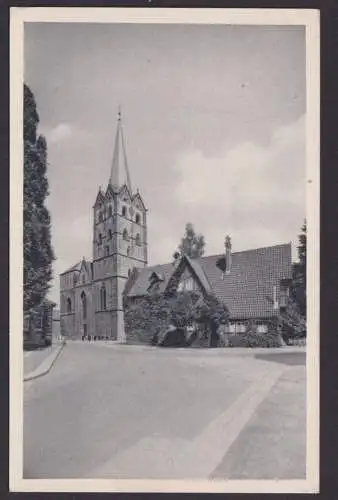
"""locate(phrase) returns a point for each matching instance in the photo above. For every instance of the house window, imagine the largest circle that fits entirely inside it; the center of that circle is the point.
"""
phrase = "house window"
(137, 219)
(103, 298)
(186, 284)
(69, 305)
(124, 211)
(138, 240)
(84, 305)
(262, 328)
(125, 235)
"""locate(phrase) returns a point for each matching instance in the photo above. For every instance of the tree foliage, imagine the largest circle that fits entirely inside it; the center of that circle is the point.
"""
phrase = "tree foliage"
(192, 244)
(298, 289)
(38, 252)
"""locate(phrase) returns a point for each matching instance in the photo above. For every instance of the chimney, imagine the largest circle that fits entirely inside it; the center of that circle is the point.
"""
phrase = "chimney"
(227, 254)
(177, 258)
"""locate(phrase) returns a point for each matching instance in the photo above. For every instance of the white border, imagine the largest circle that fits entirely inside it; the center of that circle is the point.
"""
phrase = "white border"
(309, 18)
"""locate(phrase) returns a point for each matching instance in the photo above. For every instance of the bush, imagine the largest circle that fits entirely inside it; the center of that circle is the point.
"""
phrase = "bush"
(253, 338)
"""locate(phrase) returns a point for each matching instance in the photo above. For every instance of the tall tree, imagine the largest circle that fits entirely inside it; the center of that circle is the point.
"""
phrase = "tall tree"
(38, 251)
(192, 244)
(299, 273)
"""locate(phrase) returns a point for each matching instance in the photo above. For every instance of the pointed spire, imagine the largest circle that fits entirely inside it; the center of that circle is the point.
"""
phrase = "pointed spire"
(115, 179)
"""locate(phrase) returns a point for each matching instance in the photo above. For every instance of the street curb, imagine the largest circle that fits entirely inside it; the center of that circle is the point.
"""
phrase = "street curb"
(45, 366)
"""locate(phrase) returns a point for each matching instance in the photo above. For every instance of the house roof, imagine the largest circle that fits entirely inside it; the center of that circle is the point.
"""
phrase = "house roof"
(245, 290)
(142, 282)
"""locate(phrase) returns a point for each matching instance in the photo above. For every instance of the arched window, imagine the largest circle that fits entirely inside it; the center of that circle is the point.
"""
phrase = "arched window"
(125, 235)
(110, 234)
(100, 239)
(124, 211)
(84, 305)
(69, 305)
(128, 251)
(110, 211)
(103, 298)
(137, 219)
(138, 240)
(100, 216)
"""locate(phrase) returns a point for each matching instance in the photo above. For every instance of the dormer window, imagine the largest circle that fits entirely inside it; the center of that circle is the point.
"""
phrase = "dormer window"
(154, 282)
(124, 211)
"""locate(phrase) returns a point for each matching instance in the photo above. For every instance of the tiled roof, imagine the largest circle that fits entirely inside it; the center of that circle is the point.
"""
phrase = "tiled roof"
(253, 275)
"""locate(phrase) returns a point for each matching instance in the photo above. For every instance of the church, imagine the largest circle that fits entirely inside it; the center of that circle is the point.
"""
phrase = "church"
(254, 284)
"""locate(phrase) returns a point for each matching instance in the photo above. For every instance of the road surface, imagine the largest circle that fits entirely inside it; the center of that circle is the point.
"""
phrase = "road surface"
(110, 411)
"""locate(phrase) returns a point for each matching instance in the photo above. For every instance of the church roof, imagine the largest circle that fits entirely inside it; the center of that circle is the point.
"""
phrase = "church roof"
(75, 267)
(245, 290)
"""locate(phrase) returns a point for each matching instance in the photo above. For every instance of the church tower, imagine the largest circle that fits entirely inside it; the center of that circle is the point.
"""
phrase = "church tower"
(119, 241)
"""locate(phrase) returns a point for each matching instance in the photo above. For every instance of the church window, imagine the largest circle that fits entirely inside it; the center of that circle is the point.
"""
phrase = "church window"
(100, 217)
(124, 211)
(100, 239)
(110, 234)
(103, 298)
(138, 240)
(125, 235)
(84, 305)
(137, 219)
(110, 211)
(128, 251)
(107, 250)
(69, 305)
(129, 273)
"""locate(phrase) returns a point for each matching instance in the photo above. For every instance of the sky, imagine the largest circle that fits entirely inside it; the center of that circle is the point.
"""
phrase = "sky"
(214, 123)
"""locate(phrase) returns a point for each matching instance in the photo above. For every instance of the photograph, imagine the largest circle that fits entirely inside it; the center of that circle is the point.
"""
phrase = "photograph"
(166, 170)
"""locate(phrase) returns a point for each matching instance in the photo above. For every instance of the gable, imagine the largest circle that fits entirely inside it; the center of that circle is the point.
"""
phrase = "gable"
(124, 194)
(109, 193)
(99, 199)
(84, 276)
(138, 202)
(188, 276)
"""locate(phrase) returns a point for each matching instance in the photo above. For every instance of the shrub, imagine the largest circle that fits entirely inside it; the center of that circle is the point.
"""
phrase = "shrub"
(253, 338)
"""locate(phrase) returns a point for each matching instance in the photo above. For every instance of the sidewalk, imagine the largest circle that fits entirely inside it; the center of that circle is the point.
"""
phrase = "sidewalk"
(39, 362)
(273, 444)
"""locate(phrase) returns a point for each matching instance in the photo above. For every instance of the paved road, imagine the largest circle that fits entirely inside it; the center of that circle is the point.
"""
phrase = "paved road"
(130, 412)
